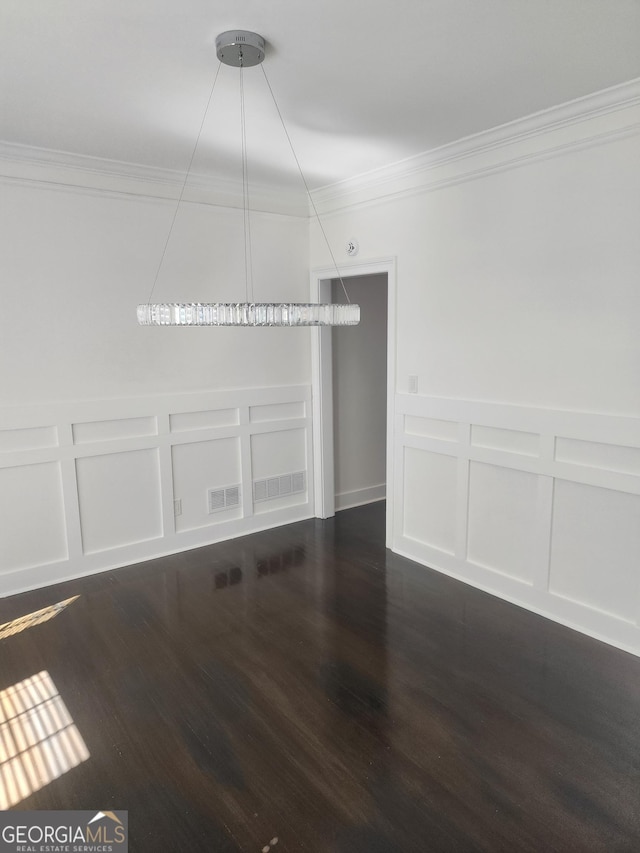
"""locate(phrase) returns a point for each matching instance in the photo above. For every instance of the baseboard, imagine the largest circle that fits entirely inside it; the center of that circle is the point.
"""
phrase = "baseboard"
(64, 571)
(585, 620)
(359, 497)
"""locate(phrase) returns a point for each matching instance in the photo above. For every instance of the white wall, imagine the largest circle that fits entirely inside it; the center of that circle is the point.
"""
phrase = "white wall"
(103, 424)
(517, 464)
(75, 264)
(360, 394)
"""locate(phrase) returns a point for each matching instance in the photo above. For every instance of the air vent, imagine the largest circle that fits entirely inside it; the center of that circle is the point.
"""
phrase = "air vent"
(285, 484)
(279, 487)
(221, 499)
(273, 487)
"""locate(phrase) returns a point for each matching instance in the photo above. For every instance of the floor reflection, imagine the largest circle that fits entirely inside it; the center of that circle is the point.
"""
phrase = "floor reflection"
(231, 577)
(355, 673)
(39, 741)
(252, 566)
(38, 617)
(276, 562)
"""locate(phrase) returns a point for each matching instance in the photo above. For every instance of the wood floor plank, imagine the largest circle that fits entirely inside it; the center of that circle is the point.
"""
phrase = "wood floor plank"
(304, 689)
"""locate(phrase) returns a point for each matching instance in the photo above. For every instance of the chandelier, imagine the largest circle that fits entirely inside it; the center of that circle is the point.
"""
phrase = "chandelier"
(242, 49)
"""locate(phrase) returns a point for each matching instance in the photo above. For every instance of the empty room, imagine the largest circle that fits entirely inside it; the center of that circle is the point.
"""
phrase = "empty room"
(320, 426)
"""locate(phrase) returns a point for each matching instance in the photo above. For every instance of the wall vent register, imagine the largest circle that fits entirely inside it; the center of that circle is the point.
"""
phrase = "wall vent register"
(221, 499)
(279, 487)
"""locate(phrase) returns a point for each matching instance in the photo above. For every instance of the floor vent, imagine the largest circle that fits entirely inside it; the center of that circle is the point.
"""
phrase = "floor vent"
(220, 499)
(279, 487)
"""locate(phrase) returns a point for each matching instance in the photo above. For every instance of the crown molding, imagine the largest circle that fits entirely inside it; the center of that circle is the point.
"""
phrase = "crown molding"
(63, 170)
(590, 120)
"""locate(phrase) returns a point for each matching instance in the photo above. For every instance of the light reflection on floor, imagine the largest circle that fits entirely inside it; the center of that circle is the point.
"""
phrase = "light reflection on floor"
(8, 629)
(39, 741)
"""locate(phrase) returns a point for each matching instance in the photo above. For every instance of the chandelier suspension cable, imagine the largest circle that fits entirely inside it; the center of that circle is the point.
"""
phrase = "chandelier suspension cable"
(306, 185)
(243, 49)
(184, 184)
(246, 215)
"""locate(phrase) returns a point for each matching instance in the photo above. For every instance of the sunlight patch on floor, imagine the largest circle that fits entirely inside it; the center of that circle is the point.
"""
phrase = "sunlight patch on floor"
(39, 741)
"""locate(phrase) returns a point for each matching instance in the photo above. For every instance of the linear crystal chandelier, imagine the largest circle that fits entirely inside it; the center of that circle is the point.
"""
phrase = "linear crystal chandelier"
(243, 49)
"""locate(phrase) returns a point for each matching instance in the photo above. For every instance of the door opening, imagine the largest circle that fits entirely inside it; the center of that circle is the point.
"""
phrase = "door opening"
(359, 377)
(353, 382)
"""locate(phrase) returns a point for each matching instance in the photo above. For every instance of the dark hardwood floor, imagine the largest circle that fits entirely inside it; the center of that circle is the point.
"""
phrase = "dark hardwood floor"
(305, 689)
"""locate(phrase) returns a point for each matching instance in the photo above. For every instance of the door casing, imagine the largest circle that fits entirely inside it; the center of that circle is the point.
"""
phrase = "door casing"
(322, 385)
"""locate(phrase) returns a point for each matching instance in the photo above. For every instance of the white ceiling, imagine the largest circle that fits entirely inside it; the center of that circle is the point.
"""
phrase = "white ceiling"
(361, 83)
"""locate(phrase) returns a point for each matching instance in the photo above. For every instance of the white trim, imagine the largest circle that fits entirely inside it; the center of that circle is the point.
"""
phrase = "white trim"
(322, 392)
(565, 127)
(574, 125)
(360, 497)
(24, 165)
(322, 410)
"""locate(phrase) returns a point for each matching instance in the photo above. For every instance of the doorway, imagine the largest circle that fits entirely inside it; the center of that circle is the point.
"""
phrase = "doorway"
(359, 375)
(340, 425)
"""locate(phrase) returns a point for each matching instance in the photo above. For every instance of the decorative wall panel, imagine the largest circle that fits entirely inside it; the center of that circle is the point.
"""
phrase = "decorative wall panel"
(197, 468)
(184, 421)
(33, 438)
(592, 454)
(502, 504)
(595, 548)
(277, 412)
(32, 512)
(509, 440)
(431, 428)
(276, 456)
(430, 498)
(119, 496)
(114, 430)
(275, 453)
(537, 506)
(94, 485)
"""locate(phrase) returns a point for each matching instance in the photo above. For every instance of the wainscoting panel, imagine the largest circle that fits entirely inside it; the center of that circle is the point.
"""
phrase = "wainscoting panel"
(274, 453)
(591, 454)
(510, 440)
(595, 548)
(430, 498)
(32, 511)
(502, 503)
(114, 430)
(277, 456)
(277, 412)
(184, 421)
(31, 438)
(431, 428)
(201, 466)
(95, 485)
(119, 497)
(539, 507)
